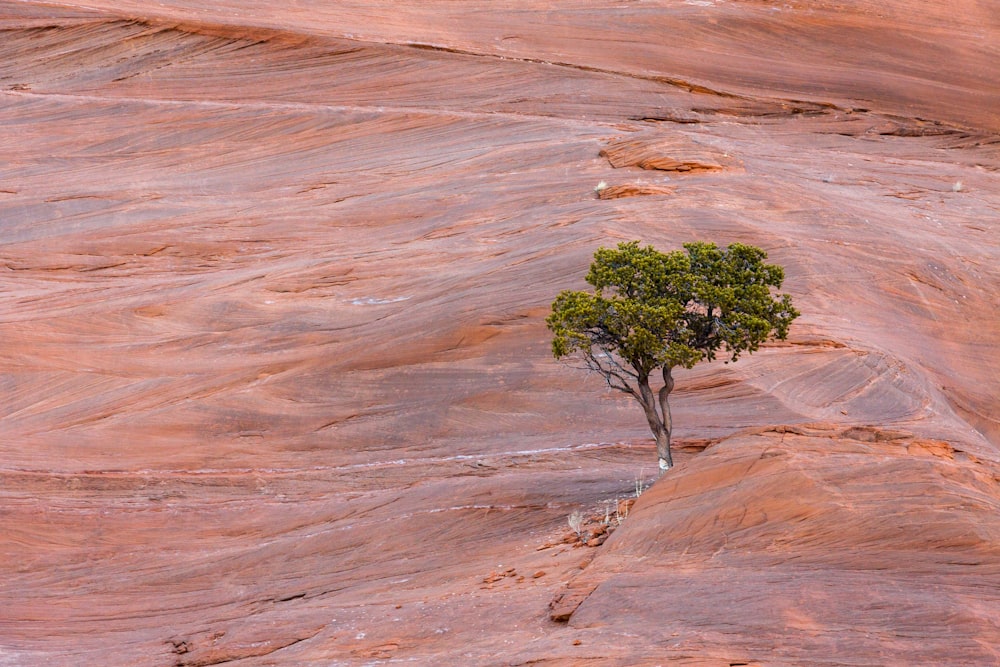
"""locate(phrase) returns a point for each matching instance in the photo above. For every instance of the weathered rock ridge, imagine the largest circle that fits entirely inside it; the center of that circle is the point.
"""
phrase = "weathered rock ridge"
(782, 535)
(275, 380)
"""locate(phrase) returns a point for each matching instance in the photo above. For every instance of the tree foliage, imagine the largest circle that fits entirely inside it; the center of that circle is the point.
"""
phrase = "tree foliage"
(653, 311)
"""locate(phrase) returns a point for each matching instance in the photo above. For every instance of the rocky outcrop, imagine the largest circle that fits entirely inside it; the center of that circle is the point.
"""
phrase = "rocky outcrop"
(657, 151)
(763, 547)
(621, 190)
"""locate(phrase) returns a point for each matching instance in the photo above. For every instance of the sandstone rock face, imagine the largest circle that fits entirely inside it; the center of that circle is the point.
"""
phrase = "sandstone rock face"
(275, 379)
(780, 546)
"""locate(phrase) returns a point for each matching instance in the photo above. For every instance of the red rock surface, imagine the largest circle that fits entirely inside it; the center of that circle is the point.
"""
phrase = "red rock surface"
(275, 379)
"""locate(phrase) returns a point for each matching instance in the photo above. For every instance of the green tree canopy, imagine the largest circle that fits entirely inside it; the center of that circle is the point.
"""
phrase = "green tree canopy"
(653, 311)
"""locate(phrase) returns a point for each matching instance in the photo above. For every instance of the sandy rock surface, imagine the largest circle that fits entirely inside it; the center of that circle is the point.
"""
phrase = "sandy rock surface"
(275, 384)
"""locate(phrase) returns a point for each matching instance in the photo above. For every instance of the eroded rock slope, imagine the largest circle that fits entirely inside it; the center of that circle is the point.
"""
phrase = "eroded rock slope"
(275, 380)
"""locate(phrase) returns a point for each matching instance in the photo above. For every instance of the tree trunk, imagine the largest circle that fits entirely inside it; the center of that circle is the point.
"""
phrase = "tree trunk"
(666, 460)
(659, 421)
(663, 449)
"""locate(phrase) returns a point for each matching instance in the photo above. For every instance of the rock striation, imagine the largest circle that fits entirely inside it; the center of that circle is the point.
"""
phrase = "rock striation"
(757, 551)
(275, 385)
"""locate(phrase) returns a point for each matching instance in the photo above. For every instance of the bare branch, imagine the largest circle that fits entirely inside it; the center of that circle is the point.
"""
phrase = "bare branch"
(616, 375)
(619, 367)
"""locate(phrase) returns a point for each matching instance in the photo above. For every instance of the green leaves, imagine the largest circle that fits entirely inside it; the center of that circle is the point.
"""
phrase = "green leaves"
(651, 309)
(638, 273)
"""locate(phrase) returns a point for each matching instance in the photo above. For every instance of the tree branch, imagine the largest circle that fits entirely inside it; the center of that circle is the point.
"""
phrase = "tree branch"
(616, 375)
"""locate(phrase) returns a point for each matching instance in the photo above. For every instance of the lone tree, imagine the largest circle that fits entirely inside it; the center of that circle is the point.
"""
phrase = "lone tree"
(654, 311)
